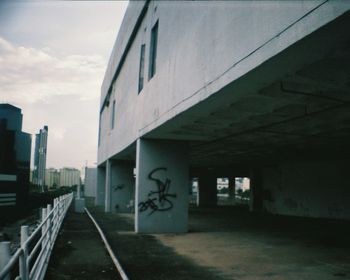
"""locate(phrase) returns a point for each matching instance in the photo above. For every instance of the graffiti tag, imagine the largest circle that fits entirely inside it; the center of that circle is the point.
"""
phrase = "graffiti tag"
(118, 187)
(159, 200)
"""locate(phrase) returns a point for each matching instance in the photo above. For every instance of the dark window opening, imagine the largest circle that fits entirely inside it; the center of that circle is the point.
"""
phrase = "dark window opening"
(153, 51)
(113, 115)
(142, 66)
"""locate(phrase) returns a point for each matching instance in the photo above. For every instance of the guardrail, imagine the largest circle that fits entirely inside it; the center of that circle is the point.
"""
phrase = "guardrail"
(30, 260)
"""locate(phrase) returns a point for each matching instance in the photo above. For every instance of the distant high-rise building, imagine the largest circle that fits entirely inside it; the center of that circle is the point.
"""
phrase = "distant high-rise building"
(52, 178)
(69, 177)
(15, 147)
(40, 158)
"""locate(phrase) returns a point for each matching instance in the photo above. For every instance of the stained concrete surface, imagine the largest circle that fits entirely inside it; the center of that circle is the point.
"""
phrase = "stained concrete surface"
(223, 243)
(79, 252)
(231, 243)
(143, 256)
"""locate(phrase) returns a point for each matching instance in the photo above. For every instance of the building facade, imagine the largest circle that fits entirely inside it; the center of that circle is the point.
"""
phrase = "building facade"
(52, 178)
(40, 158)
(229, 89)
(15, 150)
(69, 177)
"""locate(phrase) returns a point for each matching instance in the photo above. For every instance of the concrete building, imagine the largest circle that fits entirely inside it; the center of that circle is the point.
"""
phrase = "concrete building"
(90, 182)
(256, 89)
(15, 148)
(69, 177)
(40, 158)
(52, 178)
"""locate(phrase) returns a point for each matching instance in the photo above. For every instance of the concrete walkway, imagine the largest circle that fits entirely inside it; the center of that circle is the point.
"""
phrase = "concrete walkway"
(222, 243)
(231, 243)
(79, 252)
(143, 256)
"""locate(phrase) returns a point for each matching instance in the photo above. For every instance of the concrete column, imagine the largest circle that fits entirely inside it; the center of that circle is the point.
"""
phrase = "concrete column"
(5, 256)
(108, 186)
(207, 189)
(232, 189)
(256, 191)
(101, 185)
(122, 187)
(162, 176)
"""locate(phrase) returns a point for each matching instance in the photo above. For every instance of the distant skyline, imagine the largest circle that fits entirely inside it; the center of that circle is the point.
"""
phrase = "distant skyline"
(53, 56)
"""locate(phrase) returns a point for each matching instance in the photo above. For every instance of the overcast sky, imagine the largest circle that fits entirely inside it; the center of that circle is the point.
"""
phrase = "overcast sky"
(53, 55)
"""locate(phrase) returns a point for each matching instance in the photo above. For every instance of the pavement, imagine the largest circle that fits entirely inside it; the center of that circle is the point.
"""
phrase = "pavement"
(222, 243)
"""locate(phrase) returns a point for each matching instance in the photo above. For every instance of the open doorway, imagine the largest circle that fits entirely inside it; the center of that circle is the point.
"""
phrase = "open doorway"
(242, 190)
(235, 191)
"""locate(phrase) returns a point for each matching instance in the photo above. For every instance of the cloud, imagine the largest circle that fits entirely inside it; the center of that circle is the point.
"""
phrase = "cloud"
(29, 75)
(59, 133)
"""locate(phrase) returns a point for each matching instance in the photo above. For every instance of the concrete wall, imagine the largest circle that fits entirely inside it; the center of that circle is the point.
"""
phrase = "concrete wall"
(311, 189)
(101, 185)
(202, 46)
(90, 183)
(162, 192)
(122, 187)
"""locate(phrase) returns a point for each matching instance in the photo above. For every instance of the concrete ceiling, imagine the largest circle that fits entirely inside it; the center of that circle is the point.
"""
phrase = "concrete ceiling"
(290, 107)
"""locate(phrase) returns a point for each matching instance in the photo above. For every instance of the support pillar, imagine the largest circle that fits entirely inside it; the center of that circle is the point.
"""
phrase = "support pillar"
(207, 189)
(256, 191)
(232, 189)
(101, 185)
(162, 176)
(108, 186)
(122, 187)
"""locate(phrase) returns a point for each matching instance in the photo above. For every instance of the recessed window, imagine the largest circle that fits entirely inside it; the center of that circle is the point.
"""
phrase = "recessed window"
(113, 115)
(153, 51)
(142, 67)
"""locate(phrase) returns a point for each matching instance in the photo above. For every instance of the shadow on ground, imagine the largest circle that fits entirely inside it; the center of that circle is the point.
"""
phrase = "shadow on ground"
(143, 256)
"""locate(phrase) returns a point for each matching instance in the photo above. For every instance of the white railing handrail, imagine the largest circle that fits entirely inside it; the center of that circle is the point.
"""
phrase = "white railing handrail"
(32, 262)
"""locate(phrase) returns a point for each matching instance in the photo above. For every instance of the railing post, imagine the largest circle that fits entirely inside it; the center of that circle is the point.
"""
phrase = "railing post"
(4, 256)
(56, 207)
(43, 216)
(23, 265)
(49, 228)
(53, 216)
(59, 208)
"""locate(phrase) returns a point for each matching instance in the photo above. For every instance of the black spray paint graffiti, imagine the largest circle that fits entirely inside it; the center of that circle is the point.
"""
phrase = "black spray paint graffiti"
(158, 200)
(118, 187)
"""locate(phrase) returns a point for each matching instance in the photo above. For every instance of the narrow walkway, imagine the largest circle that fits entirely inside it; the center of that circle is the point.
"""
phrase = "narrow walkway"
(79, 252)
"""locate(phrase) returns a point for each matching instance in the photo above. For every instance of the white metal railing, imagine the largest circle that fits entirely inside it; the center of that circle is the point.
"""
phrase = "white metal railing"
(30, 260)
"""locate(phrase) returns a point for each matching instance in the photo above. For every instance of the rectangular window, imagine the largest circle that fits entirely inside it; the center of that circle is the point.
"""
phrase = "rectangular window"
(142, 66)
(113, 115)
(153, 51)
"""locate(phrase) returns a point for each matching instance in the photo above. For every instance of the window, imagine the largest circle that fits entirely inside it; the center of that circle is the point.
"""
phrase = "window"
(113, 115)
(153, 51)
(142, 66)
